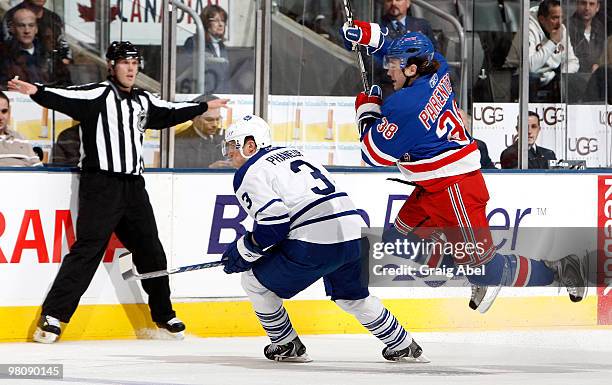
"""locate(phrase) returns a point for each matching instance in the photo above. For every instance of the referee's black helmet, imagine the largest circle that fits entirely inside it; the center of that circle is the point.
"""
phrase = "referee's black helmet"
(122, 50)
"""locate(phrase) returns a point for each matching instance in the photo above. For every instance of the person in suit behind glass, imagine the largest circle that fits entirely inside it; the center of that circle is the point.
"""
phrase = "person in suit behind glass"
(217, 74)
(538, 155)
(397, 20)
(200, 144)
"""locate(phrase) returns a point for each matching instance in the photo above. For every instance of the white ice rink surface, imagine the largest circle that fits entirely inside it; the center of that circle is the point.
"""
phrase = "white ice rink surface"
(574, 357)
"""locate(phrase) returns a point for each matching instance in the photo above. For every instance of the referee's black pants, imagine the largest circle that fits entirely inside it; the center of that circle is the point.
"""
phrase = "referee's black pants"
(107, 203)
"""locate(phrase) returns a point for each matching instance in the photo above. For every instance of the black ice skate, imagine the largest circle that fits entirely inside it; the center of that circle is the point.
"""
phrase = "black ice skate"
(293, 351)
(483, 297)
(175, 328)
(413, 353)
(48, 330)
(571, 272)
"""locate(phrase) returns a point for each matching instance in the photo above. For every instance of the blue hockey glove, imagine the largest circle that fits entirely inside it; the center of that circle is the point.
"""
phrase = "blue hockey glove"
(240, 255)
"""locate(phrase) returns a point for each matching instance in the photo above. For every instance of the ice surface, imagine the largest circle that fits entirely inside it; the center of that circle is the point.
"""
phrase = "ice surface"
(518, 357)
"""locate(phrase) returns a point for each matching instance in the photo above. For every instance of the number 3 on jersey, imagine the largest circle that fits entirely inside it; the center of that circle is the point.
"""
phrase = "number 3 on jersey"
(451, 125)
(316, 174)
(247, 200)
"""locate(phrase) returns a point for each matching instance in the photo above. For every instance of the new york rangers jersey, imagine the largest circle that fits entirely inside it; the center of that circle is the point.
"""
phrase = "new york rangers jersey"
(292, 197)
(420, 130)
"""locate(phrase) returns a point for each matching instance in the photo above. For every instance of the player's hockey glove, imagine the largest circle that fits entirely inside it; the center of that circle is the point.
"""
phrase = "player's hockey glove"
(367, 106)
(371, 35)
(240, 255)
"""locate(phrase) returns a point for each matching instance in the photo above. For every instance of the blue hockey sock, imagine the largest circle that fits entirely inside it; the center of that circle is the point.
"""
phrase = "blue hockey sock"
(513, 270)
(277, 326)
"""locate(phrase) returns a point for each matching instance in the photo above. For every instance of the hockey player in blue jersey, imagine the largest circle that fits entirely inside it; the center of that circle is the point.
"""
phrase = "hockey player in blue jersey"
(419, 129)
(306, 228)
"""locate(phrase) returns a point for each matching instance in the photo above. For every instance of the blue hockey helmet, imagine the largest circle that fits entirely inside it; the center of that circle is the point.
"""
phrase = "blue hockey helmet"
(412, 45)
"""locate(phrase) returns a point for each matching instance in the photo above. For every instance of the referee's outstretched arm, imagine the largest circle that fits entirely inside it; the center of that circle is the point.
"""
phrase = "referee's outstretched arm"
(164, 114)
(76, 102)
(80, 102)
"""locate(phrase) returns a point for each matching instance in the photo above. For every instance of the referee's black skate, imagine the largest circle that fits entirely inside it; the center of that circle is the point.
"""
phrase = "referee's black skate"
(48, 330)
(571, 272)
(175, 328)
(413, 353)
(293, 351)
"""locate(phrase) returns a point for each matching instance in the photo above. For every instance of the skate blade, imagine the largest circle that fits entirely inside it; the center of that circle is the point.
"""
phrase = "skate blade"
(303, 358)
(422, 359)
(44, 337)
(488, 299)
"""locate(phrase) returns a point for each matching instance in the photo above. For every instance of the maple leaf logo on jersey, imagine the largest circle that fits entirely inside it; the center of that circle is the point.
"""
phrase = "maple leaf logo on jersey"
(89, 13)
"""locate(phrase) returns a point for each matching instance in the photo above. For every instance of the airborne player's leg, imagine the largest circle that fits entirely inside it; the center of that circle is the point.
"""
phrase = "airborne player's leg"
(461, 210)
(413, 223)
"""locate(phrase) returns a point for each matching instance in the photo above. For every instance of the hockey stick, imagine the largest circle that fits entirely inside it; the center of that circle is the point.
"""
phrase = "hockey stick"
(364, 74)
(403, 181)
(129, 273)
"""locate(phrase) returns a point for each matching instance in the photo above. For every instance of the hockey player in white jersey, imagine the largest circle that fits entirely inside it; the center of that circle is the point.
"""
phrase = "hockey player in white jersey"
(305, 229)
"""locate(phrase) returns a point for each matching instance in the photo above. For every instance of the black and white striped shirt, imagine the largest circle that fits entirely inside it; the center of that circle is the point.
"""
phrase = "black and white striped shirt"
(113, 122)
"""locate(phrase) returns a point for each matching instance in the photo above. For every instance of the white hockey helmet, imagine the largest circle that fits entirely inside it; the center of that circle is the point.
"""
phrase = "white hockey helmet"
(248, 126)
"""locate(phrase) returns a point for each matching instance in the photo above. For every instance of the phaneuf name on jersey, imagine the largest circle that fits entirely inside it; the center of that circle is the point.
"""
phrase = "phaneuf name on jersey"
(436, 103)
(282, 156)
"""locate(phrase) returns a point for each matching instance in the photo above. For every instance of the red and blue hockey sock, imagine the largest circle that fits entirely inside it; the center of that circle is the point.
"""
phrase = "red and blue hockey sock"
(513, 270)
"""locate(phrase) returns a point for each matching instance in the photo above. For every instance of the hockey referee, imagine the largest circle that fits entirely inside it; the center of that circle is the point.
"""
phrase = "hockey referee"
(112, 197)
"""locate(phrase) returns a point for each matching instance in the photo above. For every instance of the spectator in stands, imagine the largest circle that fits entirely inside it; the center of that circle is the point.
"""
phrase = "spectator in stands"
(538, 155)
(217, 76)
(550, 53)
(200, 144)
(587, 34)
(23, 54)
(14, 149)
(50, 28)
(67, 148)
(397, 20)
(485, 159)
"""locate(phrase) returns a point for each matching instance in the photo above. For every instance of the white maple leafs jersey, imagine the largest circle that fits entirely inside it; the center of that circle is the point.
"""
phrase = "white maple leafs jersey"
(293, 197)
